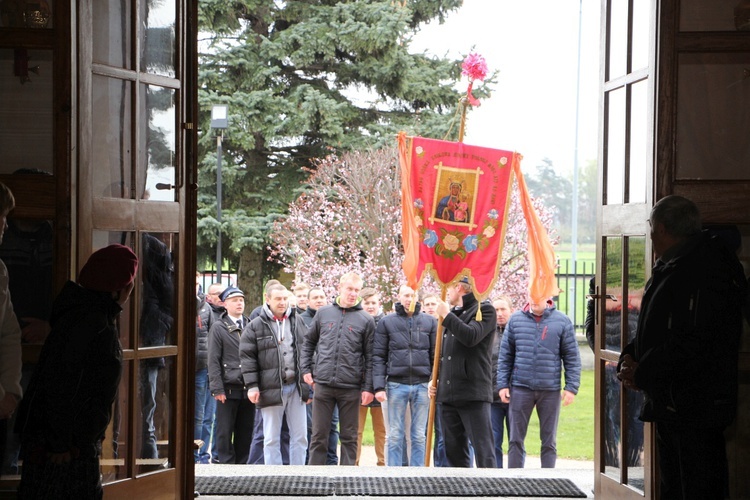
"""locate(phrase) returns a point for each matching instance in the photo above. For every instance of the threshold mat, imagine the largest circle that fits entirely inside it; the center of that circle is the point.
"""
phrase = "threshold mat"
(387, 486)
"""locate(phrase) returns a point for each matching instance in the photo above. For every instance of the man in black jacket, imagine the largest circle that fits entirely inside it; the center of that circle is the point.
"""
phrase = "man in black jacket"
(68, 406)
(210, 308)
(403, 354)
(337, 358)
(684, 356)
(270, 350)
(465, 383)
(235, 414)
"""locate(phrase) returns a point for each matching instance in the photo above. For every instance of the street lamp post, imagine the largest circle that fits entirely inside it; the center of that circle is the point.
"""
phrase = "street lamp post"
(219, 121)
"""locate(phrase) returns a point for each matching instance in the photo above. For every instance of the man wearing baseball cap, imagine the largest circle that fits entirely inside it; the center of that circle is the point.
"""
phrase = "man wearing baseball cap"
(67, 407)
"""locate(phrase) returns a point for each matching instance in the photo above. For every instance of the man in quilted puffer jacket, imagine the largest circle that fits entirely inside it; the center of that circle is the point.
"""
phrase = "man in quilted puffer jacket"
(539, 340)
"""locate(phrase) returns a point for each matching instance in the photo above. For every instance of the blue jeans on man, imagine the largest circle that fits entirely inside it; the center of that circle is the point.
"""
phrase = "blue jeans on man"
(205, 410)
(399, 396)
(500, 424)
(149, 375)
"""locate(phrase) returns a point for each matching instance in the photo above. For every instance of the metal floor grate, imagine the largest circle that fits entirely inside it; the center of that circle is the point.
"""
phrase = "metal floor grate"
(387, 486)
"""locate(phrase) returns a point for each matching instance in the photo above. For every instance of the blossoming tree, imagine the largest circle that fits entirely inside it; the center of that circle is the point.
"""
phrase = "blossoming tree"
(349, 218)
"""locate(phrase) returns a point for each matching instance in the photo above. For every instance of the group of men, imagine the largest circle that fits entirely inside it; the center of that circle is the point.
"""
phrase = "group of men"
(494, 368)
(293, 371)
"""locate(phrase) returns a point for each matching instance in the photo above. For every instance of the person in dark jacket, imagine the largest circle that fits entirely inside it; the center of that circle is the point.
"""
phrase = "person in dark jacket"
(270, 351)
(500, 422)
(316, 298)
(235, 414)
(538, 341)
(337, 358)
(68, 405)
(404, 349)
(465, 376)
(210, 308)
(157, 302)
(685, 353)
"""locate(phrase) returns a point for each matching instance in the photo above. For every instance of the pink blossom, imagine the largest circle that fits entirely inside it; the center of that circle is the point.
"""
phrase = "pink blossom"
(475, 67)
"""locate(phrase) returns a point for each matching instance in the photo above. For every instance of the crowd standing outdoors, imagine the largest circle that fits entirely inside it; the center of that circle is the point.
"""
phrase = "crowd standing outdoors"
(299, 376)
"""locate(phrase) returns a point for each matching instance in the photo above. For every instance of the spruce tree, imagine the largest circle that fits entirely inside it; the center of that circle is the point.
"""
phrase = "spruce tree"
(303, 79)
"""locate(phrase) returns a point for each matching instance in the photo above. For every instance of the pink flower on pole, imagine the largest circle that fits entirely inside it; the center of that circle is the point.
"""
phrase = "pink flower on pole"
(475, 67)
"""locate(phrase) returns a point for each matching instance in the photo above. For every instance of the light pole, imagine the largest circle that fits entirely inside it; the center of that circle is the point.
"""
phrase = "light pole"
(574, 207)
(219, 121)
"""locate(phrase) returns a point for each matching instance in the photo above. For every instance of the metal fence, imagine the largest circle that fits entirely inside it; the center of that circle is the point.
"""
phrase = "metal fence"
(573, 281)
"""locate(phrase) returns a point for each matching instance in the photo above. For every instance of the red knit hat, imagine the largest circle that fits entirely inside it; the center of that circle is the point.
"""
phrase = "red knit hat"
(109, 269)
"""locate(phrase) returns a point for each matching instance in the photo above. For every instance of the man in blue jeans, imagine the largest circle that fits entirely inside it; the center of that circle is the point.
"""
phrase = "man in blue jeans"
(404, 347)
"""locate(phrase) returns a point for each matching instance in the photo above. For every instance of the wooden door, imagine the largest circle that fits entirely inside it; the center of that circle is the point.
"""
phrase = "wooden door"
(134, 113)
(623, 454)
(703, 118)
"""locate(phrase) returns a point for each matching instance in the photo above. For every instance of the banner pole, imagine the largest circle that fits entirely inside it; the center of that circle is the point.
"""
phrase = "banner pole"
(433, 383)
(464, 103)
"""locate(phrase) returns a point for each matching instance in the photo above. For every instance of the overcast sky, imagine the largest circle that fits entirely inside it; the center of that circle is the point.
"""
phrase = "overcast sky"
(534, 46)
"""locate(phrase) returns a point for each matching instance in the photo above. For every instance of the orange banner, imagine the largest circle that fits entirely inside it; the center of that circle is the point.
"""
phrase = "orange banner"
(455, 200)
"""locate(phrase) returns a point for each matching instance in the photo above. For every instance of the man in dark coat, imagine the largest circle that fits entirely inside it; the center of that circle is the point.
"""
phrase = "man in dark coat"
(465, 376)
(684, 356)
(210, 308)
(235, 414)
(499, 411)
(68, 406)
(270, 351)
(337, 358)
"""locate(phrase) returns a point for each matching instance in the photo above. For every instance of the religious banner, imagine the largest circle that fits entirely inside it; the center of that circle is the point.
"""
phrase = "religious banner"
(455, 200)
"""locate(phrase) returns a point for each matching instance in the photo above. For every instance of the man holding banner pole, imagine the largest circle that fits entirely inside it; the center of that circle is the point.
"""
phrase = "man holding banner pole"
(464, 385)
(468, 244)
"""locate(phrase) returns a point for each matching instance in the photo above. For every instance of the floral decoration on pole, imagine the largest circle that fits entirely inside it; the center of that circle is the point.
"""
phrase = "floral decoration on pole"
(475, 67)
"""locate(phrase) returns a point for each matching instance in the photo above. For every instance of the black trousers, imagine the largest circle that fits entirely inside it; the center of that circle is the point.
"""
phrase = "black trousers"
(463, 422)
(233, 431)
(692, 462)
(324, 402)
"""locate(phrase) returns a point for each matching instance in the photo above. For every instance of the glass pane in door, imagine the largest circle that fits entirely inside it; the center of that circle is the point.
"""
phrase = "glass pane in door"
(112, 138)
(158, 139)
(115, 450)
(618, 38)
(639, 162)
(158, 49)
(615, 150)
(633, 427)
(158, 288)
(113, 31)
(613, 292)
(155, 446)
(612, 342)
(611, 426)
(101, 239)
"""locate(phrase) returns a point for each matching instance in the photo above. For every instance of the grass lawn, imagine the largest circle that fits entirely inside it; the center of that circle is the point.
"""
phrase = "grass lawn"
(575, 432)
